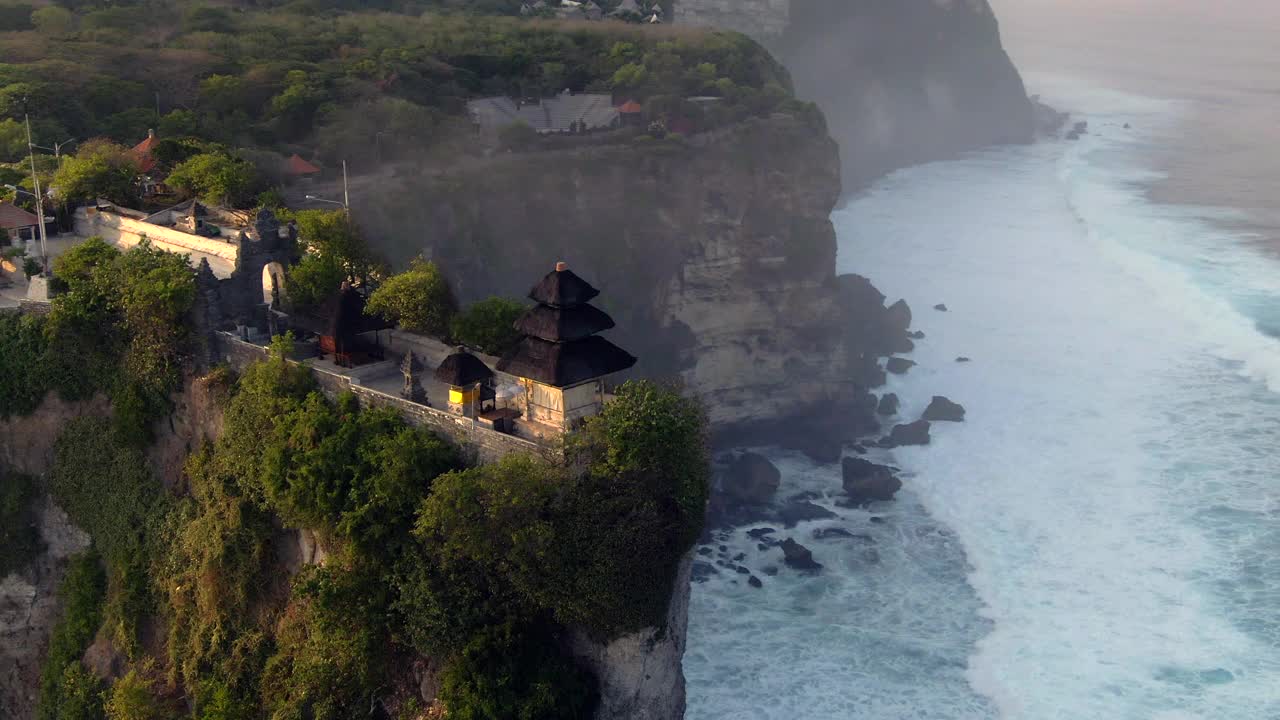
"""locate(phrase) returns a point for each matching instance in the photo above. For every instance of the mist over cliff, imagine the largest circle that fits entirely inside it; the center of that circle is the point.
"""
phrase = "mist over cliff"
(900, 82)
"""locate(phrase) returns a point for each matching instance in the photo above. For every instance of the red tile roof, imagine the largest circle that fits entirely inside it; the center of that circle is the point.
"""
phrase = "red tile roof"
(142, 151)
(297, 166)
(631, 106)
(12, 216)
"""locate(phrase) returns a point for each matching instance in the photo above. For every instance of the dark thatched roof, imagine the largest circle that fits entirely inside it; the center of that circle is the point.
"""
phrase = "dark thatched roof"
(567, 363)
(462, 369)
(562, 288)
(563, 324)
(343, 313)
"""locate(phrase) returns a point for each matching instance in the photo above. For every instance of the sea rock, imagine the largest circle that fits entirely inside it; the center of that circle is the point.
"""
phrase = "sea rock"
(799, 556)
(898, 317)
(940, 307)
(760, 533)
(916, 433)
(917, 335)
(942, 409)
(703, 572)
(963, 359)
(751, 479)
(792, 515)
(866, 482)
(769, 570)
(899, 365)
(755, 582)
(888, 404)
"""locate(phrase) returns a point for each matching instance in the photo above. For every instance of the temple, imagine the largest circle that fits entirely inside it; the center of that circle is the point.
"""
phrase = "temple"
(561, 360)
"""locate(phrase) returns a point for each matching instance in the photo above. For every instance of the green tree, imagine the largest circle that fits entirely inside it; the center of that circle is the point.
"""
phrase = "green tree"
(19, 536)
(489, 325)
(53, 21)
(217, 179)
(418, 299)
(100, 168)
(67, 690)
(334, 250)
(13, 140)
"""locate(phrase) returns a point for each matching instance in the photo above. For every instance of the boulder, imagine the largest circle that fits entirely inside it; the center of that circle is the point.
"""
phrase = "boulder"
(866, 482)
(963, 359)
(917, 335)
(942, 409)
(799, 556)
(760, 533)
(792, 515)
(751, 480)
(898, 316)
(888, 404)
(703, 572)
(754, 582)
(916, 433)
(940, 307)
(899, 366)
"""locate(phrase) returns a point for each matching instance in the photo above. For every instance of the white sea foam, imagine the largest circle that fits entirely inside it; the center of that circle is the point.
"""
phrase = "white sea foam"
(1115, 489)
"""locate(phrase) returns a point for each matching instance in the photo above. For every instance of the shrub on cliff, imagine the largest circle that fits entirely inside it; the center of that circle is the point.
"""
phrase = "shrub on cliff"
(104, 483)
(67, 690)
(418, 300)
(489, 325)
(19, 536)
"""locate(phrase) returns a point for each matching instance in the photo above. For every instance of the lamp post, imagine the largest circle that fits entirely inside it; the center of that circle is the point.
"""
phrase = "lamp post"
(57, 147)
(314, 198)
(35, 182)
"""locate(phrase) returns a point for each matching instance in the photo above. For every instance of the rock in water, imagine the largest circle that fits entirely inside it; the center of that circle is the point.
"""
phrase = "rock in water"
(898, 317)
(888, 405)
(916, 433)
(940, 307)
(963, 359)
(917, 335)
(943, 410)
(799, 556)
(899, 366)
(752, 479)
(755, 582)
(803, 511)
(866, 482)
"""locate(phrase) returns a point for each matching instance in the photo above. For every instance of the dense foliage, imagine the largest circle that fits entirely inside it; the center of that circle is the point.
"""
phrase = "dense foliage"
(333, 251)
(68, 691)
(489, 325)
(105, 485)
(363, 81)
(119, 327)
(19, 535)
(418, 299)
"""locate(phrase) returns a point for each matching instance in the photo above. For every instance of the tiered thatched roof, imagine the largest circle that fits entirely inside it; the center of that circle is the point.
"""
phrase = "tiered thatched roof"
(560, 346)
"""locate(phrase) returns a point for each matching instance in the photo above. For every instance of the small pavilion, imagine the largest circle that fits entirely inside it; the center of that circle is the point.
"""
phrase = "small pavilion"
(16, 224)
(469, 381)
(561, 360)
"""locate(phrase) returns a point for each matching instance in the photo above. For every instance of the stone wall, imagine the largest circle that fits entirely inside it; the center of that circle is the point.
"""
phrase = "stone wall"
(481, 443)
(126, 232)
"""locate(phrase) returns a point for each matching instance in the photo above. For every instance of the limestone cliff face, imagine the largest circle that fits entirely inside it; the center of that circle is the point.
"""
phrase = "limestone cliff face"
(716, 259)
(901, 82)
(641, 676)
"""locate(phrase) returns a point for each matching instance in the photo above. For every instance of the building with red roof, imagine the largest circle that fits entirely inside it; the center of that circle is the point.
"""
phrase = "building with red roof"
(142, 151)
(15, 222)
(295, 166)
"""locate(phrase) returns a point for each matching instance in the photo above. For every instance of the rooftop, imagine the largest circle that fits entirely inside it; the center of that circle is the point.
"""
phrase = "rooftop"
(12, 216)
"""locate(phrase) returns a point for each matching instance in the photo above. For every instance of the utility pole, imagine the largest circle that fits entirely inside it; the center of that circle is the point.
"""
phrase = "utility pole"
(346, 197)
(35, 180)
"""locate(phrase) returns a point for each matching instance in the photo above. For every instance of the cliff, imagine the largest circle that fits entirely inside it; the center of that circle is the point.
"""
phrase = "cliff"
(716, 257)
(900, 82)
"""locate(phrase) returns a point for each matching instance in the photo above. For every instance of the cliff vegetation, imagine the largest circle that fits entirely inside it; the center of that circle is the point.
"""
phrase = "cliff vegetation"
(192, 603)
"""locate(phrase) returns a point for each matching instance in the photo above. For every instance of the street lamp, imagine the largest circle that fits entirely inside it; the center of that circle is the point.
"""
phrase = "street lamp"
(57, 147)
(314, 198)
(35, 184)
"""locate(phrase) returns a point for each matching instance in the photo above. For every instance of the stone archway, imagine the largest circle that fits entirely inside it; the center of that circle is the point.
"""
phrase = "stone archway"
(273, 283)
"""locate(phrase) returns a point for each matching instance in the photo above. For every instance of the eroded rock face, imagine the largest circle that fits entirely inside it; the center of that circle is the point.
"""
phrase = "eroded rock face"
(716, 260)
(29, 608)
(641, 675)
(866, 482)
(942, 409)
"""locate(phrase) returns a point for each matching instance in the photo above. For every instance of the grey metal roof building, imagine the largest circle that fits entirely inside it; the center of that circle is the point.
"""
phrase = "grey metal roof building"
(559, 114)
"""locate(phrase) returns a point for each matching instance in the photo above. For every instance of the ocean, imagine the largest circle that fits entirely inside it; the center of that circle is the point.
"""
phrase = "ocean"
(1101, 537)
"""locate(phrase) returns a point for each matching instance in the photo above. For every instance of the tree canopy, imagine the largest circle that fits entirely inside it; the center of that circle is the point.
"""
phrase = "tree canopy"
(99, 169)
(418, 299)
